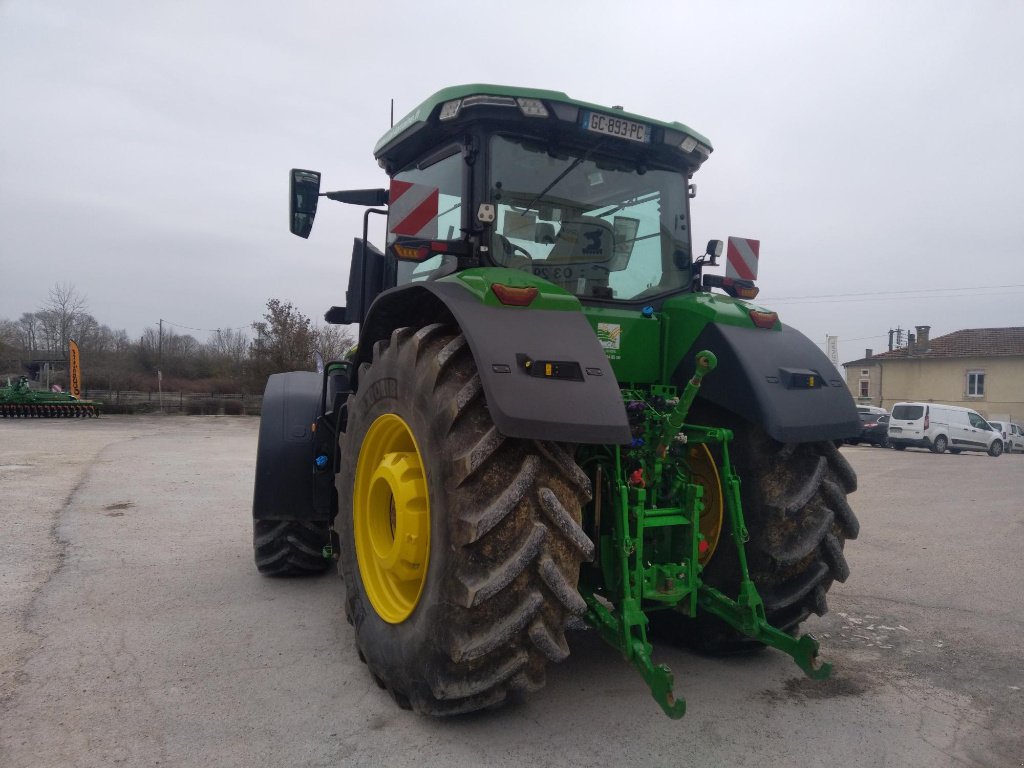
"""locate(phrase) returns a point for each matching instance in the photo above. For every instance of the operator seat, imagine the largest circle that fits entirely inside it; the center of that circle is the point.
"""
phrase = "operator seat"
(580, 259)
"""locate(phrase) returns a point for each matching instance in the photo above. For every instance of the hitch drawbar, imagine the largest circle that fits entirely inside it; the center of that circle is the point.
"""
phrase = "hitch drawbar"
(654, 499)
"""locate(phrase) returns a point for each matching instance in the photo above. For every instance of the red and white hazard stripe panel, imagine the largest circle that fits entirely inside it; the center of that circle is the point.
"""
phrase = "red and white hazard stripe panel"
(742, 258)
(412, 209)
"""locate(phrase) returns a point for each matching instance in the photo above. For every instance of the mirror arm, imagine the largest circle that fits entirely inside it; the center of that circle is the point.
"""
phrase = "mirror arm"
(359, 196)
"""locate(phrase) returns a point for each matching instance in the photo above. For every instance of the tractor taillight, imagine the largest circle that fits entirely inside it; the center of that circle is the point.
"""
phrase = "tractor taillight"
(926, 418)
(514, 296)
(764, 319)
(735, 287)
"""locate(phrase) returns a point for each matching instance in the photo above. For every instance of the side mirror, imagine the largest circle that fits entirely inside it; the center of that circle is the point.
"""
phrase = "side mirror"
(714, 250)
(303, 193)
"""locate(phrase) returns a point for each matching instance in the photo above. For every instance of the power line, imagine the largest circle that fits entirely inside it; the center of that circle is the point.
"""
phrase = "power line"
(911, 293)
(210, 330)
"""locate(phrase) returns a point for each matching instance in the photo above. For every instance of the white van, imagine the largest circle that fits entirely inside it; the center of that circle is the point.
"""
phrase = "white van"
(1003, 428)
(940, 427)
(1016, 442)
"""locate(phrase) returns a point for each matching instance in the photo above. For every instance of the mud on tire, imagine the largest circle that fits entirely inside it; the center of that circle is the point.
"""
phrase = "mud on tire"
(290, 547)
(505, 536)
(796, 510)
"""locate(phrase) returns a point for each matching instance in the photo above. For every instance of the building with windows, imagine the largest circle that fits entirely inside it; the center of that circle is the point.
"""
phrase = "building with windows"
(979, 368)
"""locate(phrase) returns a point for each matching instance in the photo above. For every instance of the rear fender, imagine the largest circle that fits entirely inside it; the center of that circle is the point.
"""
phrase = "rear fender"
(512, 347)
(762, 376)
(289, 485)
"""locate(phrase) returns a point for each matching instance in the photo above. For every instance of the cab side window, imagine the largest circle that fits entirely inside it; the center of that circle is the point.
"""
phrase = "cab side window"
(426, 202)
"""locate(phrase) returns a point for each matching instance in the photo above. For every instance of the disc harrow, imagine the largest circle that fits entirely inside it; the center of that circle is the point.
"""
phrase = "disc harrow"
(20, 401)
(49, 411)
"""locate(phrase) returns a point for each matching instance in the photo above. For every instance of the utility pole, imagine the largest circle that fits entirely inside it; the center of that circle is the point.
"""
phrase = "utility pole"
(160, 367)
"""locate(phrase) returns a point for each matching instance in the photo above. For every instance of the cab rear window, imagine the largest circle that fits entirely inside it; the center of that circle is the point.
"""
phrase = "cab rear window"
(908, 412)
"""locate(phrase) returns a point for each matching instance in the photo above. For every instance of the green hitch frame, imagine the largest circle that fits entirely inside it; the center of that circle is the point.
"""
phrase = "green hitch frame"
(706, 362)
(649, 560)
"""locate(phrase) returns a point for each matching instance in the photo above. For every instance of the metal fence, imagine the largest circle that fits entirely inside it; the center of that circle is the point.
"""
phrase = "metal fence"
(193, 403)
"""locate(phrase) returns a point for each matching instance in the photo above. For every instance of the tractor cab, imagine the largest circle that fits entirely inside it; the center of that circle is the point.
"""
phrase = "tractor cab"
(592, 199)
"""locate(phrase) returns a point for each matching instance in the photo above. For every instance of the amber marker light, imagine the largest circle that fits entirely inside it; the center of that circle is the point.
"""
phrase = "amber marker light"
(411, 253)
(764, 319)
(512, 296)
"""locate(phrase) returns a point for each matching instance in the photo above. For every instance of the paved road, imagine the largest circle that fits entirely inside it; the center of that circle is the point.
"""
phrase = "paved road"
(135, 631)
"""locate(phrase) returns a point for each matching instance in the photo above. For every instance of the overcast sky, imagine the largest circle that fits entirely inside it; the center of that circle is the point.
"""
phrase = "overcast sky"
(871, 147)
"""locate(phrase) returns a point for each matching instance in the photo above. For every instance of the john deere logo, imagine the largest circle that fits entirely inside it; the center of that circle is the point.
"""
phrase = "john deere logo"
(609, 334)
(594, 246)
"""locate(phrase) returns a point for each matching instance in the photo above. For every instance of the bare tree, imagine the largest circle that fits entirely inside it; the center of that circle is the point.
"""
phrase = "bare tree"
(9, 337)
(284, 341)
(63, 308)
(8, 332)
(332, 341)
(85, 329)
(28, 331)
(230, 344)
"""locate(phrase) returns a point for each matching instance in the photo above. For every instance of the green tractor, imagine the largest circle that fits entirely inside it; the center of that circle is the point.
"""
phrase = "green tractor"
(549, 413)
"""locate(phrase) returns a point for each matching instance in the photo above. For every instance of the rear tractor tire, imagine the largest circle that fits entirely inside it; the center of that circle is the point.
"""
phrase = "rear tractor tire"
(796, 511)
(290, 547)
(461, 548)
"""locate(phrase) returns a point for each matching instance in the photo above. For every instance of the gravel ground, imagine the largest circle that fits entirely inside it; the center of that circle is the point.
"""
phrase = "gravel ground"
(134, 630)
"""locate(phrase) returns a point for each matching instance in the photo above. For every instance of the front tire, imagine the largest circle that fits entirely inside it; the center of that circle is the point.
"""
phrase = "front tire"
(996, 449)
(290, 547)
(495, 562)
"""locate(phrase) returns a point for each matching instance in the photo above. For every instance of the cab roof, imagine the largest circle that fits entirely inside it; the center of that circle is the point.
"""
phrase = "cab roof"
(560, 109)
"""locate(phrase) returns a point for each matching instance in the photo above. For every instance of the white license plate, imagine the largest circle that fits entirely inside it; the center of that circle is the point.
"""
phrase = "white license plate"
(895, 429)
(616, 126)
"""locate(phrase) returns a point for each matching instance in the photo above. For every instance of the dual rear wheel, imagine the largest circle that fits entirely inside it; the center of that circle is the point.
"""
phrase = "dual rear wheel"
(461, 548)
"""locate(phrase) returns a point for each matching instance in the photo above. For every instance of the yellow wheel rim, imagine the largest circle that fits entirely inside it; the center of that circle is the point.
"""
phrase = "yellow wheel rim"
(705, 473)
(391, 519)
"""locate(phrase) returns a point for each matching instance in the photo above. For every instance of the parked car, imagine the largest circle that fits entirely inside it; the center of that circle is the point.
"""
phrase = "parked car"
(874, 429)
(1016, 442)
(871, 409)
(942, 427)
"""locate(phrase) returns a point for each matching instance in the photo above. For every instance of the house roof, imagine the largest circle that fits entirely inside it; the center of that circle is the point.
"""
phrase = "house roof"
(970, 342)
